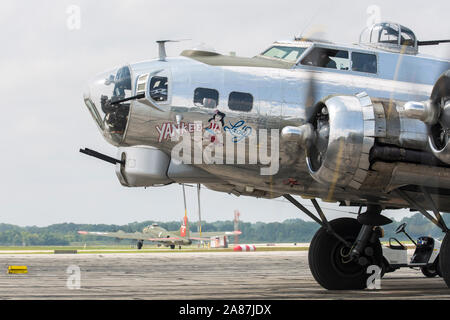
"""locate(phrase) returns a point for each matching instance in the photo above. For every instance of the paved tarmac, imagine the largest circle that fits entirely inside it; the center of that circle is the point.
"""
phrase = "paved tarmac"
(189, 275)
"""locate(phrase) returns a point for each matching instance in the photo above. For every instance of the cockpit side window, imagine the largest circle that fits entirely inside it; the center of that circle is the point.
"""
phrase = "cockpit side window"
(158, 88)
(327, 58)
(284, 52)
(364, 62)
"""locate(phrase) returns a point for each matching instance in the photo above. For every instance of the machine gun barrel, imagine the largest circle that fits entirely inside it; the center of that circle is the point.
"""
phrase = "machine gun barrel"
(101, 156)
(431, 42)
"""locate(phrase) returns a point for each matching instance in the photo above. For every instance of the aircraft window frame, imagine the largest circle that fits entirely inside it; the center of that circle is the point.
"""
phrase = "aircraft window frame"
(410, 41)
(213, 94)
(122, 82)
(94, 112)
(159, 95)
(387, 31)
(312, 54)
(239, 104)
(364, 53)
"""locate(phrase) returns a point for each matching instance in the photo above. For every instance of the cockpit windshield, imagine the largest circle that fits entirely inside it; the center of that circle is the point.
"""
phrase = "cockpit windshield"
(104, 101)
(284, 52)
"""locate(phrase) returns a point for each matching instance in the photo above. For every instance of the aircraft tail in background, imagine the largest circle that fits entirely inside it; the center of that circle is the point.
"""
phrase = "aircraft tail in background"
(184, 230)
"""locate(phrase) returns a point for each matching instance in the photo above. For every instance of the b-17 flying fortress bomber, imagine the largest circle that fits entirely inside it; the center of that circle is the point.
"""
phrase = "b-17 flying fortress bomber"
(156, 233)
(364, 125)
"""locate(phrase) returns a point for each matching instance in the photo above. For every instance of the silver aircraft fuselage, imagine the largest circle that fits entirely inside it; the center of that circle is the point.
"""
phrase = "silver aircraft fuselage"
(282, 97)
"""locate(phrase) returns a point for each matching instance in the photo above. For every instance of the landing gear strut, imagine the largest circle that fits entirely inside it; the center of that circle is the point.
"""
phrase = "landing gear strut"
(443, 266)
(343, 249)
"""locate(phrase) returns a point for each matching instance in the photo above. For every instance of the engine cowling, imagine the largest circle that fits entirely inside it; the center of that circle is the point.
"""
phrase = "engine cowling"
(345, 133)
(435, 113)
(439, 134)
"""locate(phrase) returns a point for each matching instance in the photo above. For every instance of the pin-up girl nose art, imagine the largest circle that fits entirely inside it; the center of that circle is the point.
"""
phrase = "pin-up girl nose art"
(215, 126)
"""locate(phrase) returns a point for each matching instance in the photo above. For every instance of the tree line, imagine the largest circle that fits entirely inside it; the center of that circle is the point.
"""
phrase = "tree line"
(292, 230)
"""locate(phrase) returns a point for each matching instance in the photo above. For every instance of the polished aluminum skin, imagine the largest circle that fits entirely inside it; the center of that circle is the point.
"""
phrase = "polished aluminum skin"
(329, 121)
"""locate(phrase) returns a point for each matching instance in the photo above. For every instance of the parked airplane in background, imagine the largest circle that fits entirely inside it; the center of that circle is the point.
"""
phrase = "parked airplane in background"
(160, 235)
(364, 125)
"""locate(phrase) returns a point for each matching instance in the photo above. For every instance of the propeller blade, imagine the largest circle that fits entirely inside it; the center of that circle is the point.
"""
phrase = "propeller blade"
(310, 97)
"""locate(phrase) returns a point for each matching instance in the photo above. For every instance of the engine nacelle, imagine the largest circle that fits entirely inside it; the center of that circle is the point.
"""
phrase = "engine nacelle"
(345, 133)
(440, 131)
(435, 113)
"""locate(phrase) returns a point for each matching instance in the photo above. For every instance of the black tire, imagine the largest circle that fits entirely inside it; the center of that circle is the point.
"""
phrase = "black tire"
(172, 246)
(444, 259)
(429, 271)
(327, 264)
(438, 267)
(386, 267)
(139, 244)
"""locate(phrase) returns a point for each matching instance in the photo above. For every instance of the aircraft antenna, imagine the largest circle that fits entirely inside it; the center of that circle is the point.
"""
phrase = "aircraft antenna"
(162, 48)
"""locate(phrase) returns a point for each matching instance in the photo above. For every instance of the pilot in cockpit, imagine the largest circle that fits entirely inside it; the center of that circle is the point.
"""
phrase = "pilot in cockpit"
(320, 58)
(324, 61)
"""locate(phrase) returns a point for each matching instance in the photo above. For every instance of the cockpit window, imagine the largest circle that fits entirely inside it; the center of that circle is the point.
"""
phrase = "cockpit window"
(364, 62)
(327, 58)
(158, 88)
(284, 52)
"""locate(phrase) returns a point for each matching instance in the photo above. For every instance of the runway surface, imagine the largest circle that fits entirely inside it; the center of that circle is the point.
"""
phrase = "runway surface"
(200, 275)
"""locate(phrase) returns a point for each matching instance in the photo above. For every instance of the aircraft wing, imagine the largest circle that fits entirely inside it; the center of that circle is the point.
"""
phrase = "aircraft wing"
(119, 235)
(136, 235)
(170, 239)
(207, 235)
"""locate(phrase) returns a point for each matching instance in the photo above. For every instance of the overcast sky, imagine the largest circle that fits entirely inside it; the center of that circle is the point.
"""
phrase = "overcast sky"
(46, 58)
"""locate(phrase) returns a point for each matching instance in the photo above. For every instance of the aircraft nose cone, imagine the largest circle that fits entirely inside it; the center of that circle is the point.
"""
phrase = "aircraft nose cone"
(103, 96)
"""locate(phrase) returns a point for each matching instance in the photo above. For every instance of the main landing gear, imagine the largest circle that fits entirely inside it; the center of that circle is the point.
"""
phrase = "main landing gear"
(444, 254)
(444, 259)
(343, 249)
(336, 265)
